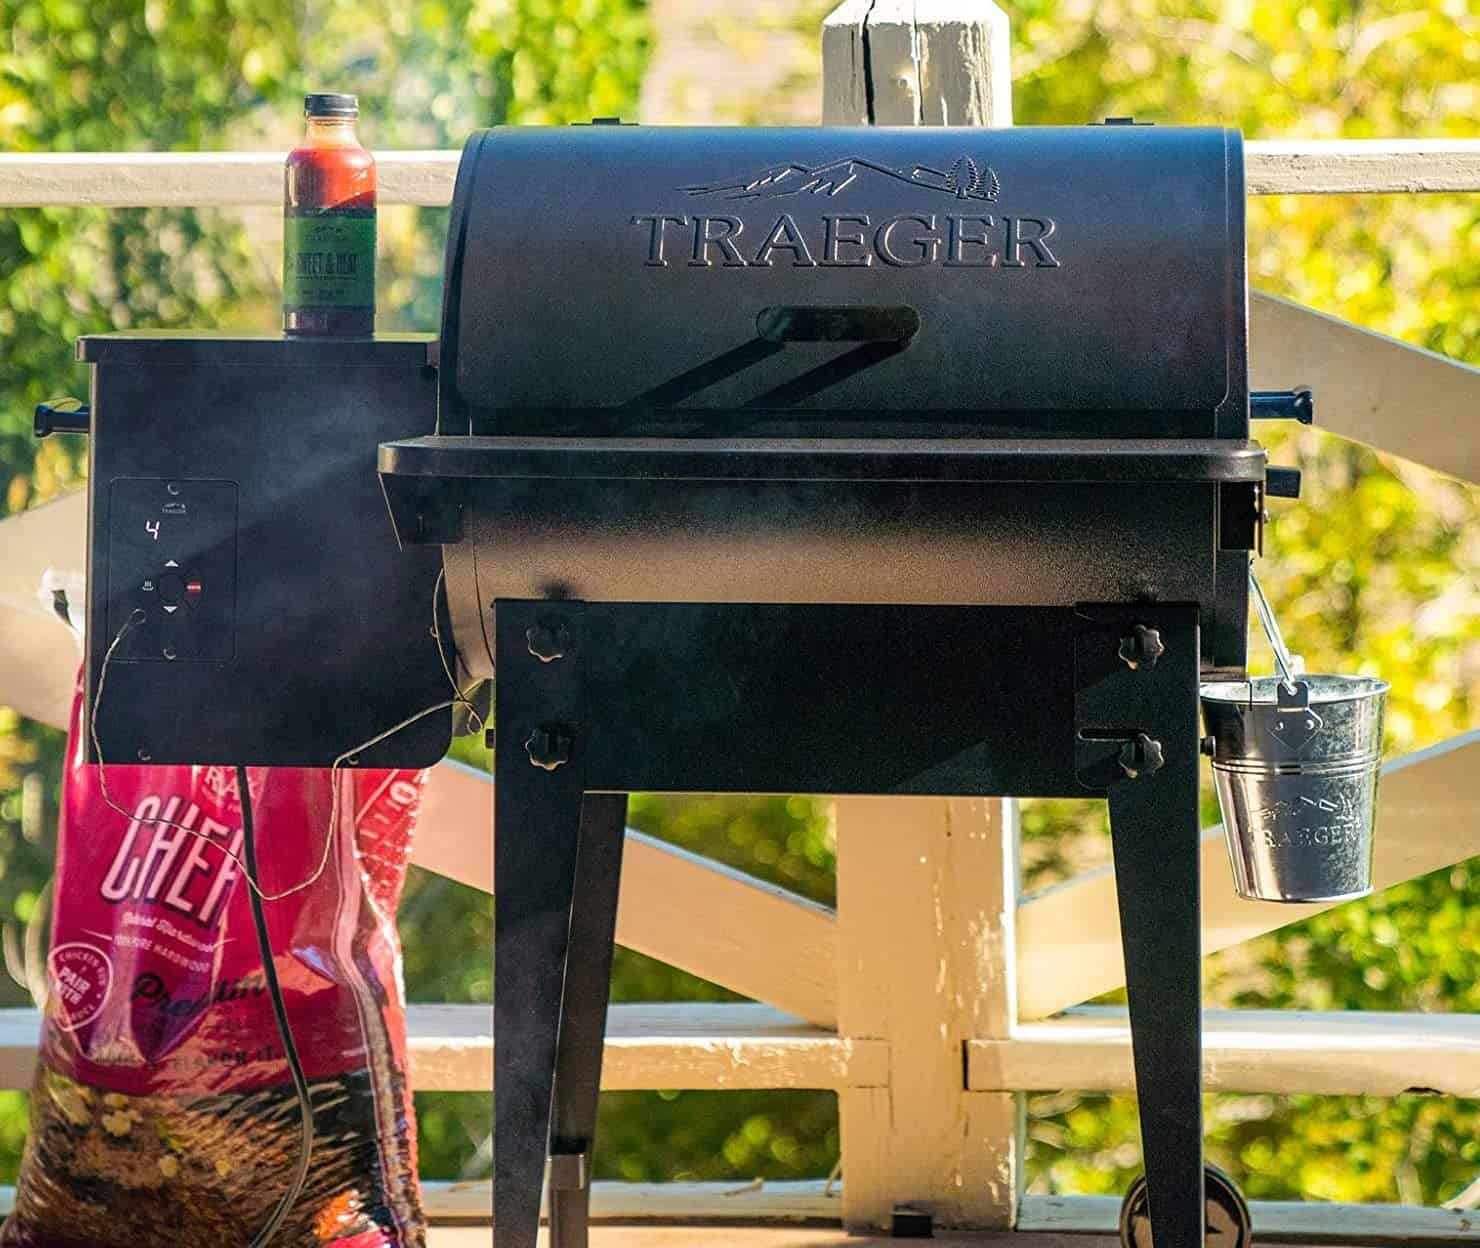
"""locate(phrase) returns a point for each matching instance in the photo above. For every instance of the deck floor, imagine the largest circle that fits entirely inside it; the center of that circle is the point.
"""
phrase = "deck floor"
(697, 1236)
(715, 1236)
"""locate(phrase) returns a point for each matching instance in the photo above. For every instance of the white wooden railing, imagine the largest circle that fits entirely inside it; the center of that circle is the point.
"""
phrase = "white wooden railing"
(932, 954)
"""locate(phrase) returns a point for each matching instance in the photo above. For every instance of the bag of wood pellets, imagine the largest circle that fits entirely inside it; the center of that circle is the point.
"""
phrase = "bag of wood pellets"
(163, 1112)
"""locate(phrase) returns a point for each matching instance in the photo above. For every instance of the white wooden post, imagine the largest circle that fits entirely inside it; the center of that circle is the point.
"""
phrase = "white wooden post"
(927, 887)
(916, 63)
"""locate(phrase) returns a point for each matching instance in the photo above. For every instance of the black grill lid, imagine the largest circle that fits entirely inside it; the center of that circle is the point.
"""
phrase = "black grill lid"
(1083, 280)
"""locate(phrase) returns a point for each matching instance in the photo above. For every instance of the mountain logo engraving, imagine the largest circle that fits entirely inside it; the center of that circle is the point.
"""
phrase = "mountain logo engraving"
(964, 180)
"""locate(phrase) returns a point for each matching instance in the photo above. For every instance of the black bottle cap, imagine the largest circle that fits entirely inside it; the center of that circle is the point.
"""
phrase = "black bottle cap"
(331, 104)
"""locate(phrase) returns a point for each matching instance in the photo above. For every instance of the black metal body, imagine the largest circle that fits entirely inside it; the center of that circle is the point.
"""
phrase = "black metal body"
(246, 467)
(837, 461)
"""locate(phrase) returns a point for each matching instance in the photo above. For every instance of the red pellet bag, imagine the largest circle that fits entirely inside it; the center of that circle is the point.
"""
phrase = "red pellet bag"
(162, 1111)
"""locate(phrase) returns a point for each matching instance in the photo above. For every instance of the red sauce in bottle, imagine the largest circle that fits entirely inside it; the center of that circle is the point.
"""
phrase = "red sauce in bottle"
(329, 225)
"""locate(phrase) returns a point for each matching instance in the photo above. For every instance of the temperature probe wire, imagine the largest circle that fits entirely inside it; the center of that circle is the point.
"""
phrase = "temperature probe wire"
(351, 754)
(280, 1016)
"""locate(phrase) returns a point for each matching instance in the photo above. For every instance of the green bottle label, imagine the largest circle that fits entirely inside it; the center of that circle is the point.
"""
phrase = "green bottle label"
(329, 261)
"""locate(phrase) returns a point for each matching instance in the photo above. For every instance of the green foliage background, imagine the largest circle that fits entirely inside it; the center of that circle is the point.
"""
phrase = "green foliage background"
(1373, 571)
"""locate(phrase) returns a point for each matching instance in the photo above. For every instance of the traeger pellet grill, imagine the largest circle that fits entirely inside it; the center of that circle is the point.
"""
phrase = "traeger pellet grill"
(836, 461)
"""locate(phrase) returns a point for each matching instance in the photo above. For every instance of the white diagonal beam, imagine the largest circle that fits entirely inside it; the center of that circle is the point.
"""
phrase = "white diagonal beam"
(1377, 390)
(1068, 938)
(691, 912)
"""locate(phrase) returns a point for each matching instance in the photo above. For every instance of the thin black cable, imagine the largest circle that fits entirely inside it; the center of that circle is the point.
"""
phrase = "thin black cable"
(280, 1014)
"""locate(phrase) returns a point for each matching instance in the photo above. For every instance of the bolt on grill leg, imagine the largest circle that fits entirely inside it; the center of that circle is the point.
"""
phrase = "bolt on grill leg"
(1155, 828)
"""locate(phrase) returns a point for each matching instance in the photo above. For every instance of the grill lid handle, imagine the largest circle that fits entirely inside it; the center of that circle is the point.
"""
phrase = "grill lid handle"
(865, 323)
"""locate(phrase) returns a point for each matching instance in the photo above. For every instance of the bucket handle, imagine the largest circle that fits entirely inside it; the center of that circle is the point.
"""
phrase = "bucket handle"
(1296, 724)
(1282, 655)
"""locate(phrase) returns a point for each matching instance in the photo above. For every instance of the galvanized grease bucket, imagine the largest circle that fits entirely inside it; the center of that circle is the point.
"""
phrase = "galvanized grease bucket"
(1295, 761)
(1296, 772)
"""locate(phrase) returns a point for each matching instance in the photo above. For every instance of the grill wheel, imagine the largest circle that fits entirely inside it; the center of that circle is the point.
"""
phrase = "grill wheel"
(1227, 1225)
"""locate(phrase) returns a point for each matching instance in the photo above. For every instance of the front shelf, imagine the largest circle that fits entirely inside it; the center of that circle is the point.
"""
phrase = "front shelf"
(1021, 460)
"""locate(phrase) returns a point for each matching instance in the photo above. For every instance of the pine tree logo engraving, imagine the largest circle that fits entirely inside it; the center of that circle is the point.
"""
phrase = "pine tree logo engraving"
(966, 179)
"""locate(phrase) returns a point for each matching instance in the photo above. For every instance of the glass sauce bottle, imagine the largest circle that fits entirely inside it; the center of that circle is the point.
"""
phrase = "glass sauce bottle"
(329, 225)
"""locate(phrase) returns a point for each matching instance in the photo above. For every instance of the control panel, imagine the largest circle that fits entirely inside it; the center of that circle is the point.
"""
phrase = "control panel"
(172, 555)
(240, 554)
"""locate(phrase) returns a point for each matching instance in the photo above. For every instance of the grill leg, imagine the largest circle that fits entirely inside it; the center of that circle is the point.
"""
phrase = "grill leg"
(1155, 828)
(593, 922)
(537, 823)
